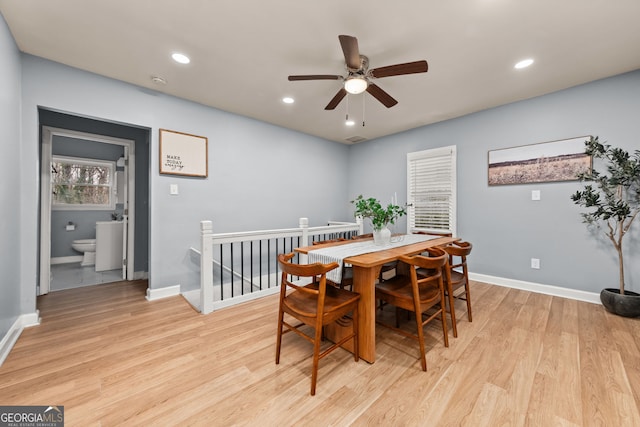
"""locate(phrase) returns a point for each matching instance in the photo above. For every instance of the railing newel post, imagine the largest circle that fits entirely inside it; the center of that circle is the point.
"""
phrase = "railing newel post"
(303, 223)
(206, 267)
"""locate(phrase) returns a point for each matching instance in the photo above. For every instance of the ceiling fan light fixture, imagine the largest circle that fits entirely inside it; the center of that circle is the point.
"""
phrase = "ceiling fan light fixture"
(355, 85)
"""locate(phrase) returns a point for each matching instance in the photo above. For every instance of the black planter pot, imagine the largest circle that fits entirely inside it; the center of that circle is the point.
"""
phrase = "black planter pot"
(627, 305)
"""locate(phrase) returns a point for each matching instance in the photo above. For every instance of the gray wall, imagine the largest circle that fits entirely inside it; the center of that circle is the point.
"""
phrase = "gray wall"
(10, 194)
(255, 169)
(506, 227)
(256, 175)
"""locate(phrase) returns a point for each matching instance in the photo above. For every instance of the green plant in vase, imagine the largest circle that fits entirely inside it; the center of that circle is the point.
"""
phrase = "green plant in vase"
(379, 216)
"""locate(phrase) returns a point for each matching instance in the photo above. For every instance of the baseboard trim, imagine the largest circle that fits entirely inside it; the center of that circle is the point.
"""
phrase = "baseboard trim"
(539, 288)
(193, 298)
(66, 259)
(159, 293)
(217, 305)
(12, 335)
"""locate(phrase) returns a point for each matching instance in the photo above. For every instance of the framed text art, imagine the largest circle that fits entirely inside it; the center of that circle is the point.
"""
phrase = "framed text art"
(183, 154)
(544, 162)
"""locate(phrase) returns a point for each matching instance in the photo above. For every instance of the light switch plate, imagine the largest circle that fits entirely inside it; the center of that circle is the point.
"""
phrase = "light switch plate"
(535, 194)
(173, 189)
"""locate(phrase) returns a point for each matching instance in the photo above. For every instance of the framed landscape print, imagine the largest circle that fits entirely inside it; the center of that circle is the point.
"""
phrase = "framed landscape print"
(183, 154)
(550, 161)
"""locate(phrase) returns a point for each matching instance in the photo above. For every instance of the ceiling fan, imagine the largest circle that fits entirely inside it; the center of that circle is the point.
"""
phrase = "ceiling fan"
(359, 75)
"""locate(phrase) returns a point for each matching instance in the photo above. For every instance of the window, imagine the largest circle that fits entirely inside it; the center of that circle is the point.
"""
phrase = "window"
(431, 184)
(82, 184)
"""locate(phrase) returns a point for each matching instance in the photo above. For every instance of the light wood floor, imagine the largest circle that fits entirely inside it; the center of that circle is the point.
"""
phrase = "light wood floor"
(113, 358)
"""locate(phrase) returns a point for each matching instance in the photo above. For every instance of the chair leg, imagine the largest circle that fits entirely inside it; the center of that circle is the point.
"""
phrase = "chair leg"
(443, 315)
(452, 311)
(445, 332)
(356, 346)
(423, 355)
(316, 359)
(279, 336)
(468, 297)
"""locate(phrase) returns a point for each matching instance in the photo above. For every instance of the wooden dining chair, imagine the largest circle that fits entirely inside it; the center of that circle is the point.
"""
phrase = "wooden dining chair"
(418, 295)
(347, 271)
(458, 278)
(315, 305)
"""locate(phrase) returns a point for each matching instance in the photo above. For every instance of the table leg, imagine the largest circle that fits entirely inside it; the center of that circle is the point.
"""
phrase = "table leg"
(364, 280)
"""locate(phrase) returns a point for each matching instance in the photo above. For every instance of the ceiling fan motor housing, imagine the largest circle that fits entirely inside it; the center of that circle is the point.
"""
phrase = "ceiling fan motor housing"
(364, 66)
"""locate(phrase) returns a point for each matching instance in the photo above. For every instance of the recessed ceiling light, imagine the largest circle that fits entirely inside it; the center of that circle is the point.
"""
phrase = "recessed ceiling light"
(349, 123)
(524, 63)
(181, 58)
(288, 100)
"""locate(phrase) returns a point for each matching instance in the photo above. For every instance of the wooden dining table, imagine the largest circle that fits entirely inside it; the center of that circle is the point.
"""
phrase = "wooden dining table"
(366, 268)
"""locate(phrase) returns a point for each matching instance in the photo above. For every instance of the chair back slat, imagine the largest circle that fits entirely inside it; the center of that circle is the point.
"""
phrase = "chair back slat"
(317, 271)
(458, 252)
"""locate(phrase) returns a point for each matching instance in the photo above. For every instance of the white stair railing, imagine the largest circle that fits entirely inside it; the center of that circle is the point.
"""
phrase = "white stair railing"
(212, 296)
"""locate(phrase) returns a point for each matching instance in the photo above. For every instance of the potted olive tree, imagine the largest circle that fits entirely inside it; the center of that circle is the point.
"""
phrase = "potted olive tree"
(612, 198)
(380, 217)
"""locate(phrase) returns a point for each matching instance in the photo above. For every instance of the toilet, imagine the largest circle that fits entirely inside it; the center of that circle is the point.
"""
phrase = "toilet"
(88, 248)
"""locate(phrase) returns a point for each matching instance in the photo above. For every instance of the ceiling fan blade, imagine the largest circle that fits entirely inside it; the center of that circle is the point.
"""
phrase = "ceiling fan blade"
(315, 77)
(400, 69)
(382, 96)
(351, 53)
(336, 99)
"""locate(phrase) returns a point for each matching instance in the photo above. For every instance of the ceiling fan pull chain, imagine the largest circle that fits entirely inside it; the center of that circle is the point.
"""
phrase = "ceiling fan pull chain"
(363, 97)
(347, 118)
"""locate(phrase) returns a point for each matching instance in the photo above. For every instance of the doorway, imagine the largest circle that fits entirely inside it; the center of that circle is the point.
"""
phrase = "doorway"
(121, 192)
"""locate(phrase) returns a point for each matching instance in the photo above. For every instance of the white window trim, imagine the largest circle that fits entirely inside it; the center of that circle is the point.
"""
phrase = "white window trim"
(89, 207)
(449, 151)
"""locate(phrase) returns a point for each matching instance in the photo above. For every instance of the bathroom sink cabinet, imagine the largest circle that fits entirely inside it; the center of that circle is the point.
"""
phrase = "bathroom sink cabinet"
(108, 245)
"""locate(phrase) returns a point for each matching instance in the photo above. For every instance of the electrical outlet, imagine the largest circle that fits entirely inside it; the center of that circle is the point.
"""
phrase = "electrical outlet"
(535, 263)
(535, 194)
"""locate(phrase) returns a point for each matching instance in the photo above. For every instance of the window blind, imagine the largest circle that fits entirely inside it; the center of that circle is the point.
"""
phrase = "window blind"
(431, 184)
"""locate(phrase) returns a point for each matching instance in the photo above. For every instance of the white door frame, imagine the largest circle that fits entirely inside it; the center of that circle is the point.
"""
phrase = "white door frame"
(45, 198)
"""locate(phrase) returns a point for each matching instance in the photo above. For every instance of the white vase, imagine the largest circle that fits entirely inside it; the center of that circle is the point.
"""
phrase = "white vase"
(382, 237)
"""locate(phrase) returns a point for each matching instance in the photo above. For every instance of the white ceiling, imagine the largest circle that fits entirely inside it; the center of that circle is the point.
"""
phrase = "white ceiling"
(242, 52)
